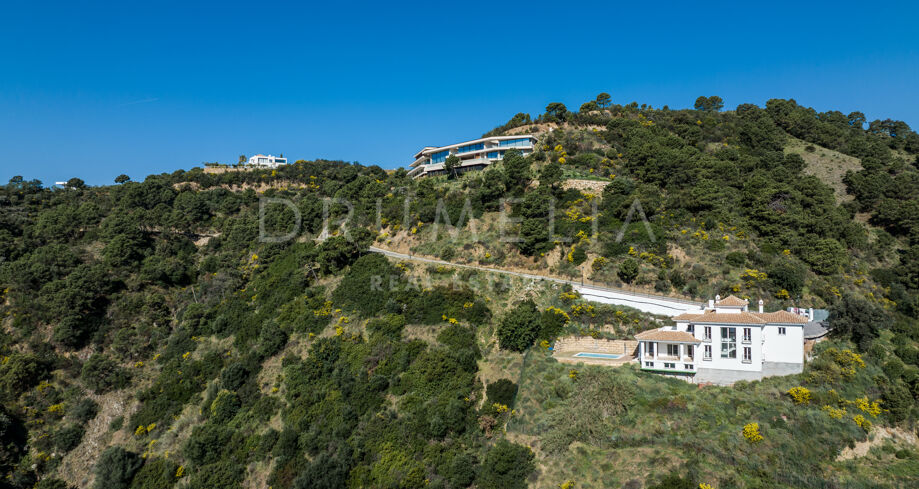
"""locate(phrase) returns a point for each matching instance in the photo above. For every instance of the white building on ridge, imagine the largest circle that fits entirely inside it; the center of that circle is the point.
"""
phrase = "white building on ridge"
(267, 161)
(473, 155)
(725, 343)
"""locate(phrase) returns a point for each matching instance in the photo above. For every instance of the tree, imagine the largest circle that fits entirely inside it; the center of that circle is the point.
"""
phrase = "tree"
(603, 100)
(122, 178)
(519, 327)
(516, 170)
(628, 270)
(826, 256)
(76, 183)
(243, 159)
(450, 165)
(506, 466)
(116, 468)
(557, 110)
(709, 104)
(857, 319)
(102, 374)
(588, 106)
(551, 175)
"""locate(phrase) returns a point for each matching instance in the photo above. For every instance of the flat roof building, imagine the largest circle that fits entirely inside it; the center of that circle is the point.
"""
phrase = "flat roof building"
(267, 161)
(473, 155)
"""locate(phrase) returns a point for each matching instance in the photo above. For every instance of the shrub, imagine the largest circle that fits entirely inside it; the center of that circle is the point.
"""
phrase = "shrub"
(116, 468)
(51, 483)
(102, 374)
(501, 391)
(20, 372)
(207, 443)
(66, 439)
(736, 258)
(751, 433)
(158, 473)
(225, 406)
(83, 410)
(506, 466)
(519, 327)
(801, 395)
(234, 376)
(366, 286)
(390, 326)
(628, 270)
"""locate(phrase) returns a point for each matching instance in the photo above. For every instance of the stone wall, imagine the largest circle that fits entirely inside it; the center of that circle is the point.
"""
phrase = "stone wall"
(588, 344)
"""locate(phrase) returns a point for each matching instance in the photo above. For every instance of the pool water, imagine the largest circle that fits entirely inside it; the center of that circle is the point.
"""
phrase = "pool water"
(585, 354)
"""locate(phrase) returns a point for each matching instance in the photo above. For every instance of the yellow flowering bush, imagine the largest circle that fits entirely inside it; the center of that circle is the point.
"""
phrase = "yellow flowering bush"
(751, 433)
(862, 422)
(801, 395)
(872, 408)
(703, 485)
(835, 413)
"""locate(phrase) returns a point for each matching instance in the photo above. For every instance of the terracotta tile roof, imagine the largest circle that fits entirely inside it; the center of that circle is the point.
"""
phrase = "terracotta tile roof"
(667, 335)
(742, 317)
(732, 300)
(782, 317)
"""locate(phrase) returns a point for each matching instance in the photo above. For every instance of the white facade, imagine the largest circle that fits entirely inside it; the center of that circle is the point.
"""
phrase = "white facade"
(267, 161)
(473, 155)
(725, 342)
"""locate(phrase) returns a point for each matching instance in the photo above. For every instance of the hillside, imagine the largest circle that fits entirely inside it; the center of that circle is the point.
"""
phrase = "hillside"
(154, 338)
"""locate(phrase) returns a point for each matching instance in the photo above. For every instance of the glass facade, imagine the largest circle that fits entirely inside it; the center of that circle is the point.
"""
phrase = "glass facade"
(440, 156)
(470, 147)
(512, 143)
(495, 155)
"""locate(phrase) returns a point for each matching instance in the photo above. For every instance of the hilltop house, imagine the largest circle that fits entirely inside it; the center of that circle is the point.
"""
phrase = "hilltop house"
(267, 161)
(473, 155)
(725, 342)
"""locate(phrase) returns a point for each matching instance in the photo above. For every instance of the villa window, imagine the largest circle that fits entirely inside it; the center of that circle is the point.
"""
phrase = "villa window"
(470, 147)
(649, 364)
(669, 365)
(687, 366)
(781, 331)
(691, 328)
(728, 342)
(649, 349)
(707, 355)
(747, 354)
(673, 350)
(689, 350)
(708, 333)
(747, 335)
(440, 156)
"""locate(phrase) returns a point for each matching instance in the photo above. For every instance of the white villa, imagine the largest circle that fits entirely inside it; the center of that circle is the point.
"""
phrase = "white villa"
(473, 155)
(267, 161)
(725, 343)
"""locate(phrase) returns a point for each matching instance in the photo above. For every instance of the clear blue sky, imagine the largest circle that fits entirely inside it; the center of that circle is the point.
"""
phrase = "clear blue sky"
(94, 90)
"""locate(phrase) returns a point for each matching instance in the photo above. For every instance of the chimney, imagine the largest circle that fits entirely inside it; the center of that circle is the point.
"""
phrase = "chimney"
(711, 303)
(760, 306)
(810, 314)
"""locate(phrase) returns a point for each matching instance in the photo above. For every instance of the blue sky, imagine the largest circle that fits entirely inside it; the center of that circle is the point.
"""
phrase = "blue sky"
(93, 90)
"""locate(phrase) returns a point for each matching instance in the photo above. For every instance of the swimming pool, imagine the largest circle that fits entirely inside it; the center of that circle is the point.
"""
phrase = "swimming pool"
(585, 354)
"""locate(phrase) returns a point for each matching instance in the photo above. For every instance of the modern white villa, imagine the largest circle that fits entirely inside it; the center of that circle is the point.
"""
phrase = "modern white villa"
(473, 155)
(267, 161)
(725, 342)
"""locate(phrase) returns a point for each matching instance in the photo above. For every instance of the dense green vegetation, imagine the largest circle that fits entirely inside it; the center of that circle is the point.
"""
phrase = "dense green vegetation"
(151, 339)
